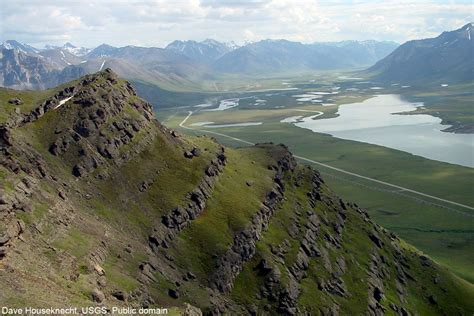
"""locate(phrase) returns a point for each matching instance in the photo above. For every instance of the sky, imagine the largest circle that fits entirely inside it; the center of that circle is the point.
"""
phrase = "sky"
(159, 22)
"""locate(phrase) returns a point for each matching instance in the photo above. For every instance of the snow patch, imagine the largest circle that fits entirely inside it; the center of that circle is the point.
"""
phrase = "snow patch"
(62, 102)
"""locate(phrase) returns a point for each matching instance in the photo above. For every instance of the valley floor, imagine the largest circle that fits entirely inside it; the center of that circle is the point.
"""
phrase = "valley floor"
(439, 221)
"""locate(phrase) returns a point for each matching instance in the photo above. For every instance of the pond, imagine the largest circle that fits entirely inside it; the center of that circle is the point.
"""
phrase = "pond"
(376, 121)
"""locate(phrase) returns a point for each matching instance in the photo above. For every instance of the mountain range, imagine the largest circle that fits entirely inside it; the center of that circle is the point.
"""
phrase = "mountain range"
(281, 55)
(103, 206)
(181, 63)
(446, 58)
(206, 51)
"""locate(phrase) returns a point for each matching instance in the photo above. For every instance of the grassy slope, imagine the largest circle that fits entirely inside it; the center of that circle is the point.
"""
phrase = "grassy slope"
(107, 217)
(125, 214)
(355, 250)
(228, 211)
(441, 233)
(29, 98)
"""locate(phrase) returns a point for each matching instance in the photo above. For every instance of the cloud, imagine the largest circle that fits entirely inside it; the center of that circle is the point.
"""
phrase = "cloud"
(158, 22)
(233, 3)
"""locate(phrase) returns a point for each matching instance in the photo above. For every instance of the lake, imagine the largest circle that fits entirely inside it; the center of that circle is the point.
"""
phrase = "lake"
(374, 121)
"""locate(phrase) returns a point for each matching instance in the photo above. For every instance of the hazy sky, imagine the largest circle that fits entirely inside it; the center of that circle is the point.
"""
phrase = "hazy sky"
(158, 22)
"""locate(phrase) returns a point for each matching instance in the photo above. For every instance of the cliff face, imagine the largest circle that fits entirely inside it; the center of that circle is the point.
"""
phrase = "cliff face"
(22, 70)
(101, 204)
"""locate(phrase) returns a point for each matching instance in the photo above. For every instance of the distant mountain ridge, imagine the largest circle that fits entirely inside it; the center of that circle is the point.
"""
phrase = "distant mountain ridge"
(22, 70)
(180, 62)
(186, 61)
(447, 58)
(283, 55)
(205, 51)
(12, 44)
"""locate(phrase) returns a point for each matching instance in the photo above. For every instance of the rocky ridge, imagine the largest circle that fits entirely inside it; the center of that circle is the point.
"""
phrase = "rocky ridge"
(102, 195)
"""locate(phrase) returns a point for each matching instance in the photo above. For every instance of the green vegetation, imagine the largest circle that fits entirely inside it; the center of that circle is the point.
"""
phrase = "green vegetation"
(236, 198)
(441, 230)
(91, 238)
(30, 100)
(76, 242)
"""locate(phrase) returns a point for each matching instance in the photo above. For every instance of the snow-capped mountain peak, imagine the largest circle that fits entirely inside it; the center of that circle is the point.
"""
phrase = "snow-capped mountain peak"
(77, 51)
(12, 44)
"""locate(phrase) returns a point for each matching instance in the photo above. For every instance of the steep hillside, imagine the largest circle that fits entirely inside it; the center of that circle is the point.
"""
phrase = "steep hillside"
(447, 58)
(25, 70)
(101, 204)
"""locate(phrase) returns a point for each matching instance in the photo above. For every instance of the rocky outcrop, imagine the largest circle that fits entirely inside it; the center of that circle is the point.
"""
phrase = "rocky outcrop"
(107, 115)
(11, 203)
(286, 294)
(57, 230)
(180, 217)
(312, 244)
(230, 264)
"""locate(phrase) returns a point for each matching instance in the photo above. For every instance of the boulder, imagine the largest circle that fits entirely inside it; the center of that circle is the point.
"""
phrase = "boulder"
(120, 295)
(99, 269)
(191, 310)
(16, 101)
(97, 296)
(173, 293)
(196, 152)
(378, 294)
(376, 239)
(432, 299)
(190, 275)
(4, 239)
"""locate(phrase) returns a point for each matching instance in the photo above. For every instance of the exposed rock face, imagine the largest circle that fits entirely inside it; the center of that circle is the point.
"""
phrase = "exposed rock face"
(15, 101)
(101, 120)
(243, 246)
(180, 217)
(273, 289)
(22, 70)
(97, 296)
(117, 236)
